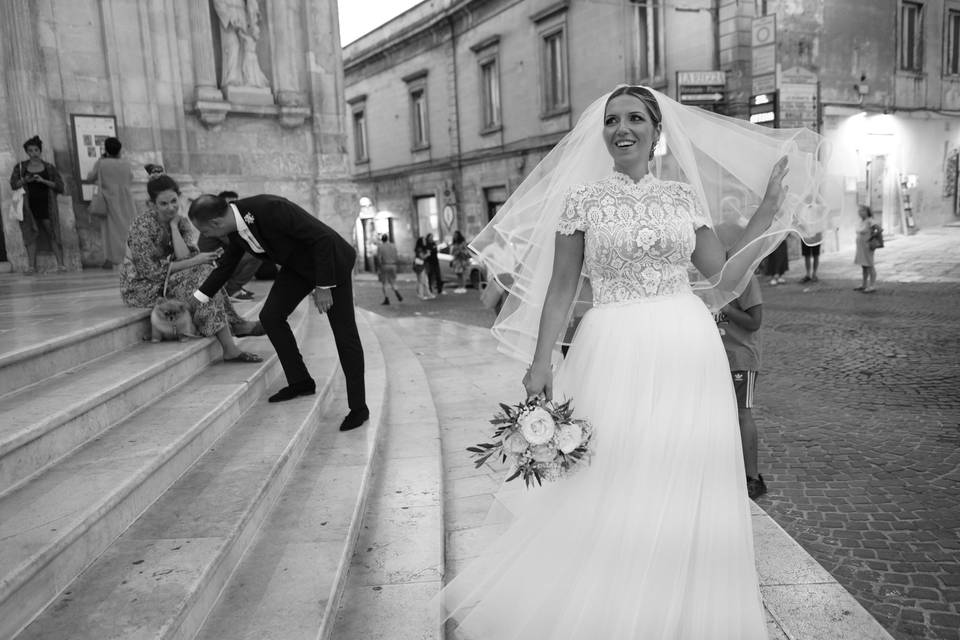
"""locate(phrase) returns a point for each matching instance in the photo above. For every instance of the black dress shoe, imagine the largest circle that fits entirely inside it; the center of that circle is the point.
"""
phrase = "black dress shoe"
(354, 419)
(305, 388)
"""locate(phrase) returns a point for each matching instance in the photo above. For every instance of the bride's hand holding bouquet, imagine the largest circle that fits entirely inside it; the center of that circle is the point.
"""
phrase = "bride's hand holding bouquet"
(540, 439)
(539, 381)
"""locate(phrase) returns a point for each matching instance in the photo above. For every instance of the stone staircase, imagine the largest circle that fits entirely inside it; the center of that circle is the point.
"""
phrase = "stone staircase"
(148, 490)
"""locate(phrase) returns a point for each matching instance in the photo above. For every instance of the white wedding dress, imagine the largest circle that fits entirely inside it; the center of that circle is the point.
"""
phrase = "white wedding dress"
(653, 540)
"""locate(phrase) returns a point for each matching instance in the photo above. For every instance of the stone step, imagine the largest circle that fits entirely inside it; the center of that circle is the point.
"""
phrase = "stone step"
(46, 349)
(60, 519)
(49, 417)
(398, 563)
(289, 584)
(160, 578)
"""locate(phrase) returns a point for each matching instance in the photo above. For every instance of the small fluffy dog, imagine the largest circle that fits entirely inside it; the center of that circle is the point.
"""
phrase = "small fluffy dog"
(170, 320)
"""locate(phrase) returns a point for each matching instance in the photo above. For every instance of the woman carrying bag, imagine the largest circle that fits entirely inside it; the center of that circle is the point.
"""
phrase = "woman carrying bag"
(38, 213)
(114, 176)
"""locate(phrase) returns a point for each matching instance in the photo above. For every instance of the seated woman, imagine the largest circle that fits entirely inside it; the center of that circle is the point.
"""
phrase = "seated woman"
(161, 241)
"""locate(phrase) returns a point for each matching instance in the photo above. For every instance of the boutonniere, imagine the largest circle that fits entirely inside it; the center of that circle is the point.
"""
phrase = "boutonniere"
(248, 218)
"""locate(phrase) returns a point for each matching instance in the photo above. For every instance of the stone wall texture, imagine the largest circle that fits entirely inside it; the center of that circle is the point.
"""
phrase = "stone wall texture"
(154, 65)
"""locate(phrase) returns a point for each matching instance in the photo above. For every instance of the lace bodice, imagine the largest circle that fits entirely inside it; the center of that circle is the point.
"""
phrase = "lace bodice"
(639, 236)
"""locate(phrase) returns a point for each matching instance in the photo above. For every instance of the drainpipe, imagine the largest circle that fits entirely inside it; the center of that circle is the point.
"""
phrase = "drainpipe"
(456, 111)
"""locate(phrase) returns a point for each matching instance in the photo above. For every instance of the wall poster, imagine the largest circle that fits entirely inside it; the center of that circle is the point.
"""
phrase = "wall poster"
(89, 133)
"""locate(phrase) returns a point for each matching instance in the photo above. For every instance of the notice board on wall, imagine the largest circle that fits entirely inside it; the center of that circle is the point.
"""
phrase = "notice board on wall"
(89, 133)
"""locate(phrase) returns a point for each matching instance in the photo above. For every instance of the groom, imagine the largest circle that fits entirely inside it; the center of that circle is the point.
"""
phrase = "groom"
(314, 259)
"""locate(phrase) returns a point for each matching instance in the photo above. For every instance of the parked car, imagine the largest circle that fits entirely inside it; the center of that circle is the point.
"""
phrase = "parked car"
(475, 275)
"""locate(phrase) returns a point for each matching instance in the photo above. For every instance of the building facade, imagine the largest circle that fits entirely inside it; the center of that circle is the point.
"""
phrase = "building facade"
(226, 94)
(452, 103)
(890, 85)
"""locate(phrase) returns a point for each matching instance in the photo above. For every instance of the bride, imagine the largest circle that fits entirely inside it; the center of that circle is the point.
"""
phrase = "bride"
(653, 539)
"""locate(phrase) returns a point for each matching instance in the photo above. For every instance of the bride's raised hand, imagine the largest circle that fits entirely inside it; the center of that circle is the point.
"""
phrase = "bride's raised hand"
(776, 190)
(539, 380)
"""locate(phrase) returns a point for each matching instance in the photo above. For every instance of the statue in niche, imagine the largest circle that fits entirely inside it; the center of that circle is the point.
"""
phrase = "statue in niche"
(239, 32)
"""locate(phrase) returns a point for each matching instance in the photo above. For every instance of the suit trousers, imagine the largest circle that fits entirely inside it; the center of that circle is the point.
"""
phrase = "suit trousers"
(289, 289)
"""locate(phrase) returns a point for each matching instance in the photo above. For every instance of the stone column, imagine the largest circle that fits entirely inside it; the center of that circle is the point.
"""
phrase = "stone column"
(285, 32)
(334, 191)
(25, 101)
(213, 109)
(24, 72)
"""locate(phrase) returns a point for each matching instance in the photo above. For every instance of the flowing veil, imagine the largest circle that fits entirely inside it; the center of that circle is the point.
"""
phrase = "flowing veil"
(727, 162)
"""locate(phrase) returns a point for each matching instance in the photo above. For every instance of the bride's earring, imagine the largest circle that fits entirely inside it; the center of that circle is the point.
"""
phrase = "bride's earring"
(653, 147)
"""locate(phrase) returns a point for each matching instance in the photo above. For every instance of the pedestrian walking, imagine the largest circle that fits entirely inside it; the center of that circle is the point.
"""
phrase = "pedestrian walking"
(810, 249)
(778, 263)
(864, 255)
(459, 260)
(386, 264)
(739, 325)
(434, 277)
(420, 255)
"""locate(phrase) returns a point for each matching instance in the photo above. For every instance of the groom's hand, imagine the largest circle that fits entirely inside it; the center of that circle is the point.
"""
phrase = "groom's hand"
(323, 298)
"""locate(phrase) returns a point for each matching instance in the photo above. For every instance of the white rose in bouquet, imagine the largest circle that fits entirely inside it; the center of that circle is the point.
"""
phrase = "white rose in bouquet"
(537, 426)
(543, 453)
(515, 443)
(569, 436)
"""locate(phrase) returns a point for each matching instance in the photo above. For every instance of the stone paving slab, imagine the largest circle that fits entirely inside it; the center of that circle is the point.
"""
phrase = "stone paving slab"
(803, 601)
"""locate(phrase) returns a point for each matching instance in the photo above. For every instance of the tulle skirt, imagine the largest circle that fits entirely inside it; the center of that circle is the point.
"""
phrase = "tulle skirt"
(653, 539)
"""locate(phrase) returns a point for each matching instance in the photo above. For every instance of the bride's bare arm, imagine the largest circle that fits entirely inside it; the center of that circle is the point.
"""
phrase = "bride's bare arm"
(567, 263)
(710, 256)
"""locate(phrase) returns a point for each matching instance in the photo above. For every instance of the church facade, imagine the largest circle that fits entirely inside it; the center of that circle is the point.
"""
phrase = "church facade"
(245, 95)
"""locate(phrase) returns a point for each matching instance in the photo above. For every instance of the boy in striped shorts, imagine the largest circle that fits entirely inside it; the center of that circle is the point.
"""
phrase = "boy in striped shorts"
(739, 325)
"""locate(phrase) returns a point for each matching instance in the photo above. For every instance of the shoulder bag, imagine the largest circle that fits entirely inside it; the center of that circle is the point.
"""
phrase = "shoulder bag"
(98, 205)
(19, 195)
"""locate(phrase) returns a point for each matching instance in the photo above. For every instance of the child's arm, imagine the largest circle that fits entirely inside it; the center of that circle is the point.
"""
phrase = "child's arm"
(750, 319)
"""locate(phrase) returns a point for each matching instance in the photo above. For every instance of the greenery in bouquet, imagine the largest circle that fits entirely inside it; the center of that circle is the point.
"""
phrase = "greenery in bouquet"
(541, 440)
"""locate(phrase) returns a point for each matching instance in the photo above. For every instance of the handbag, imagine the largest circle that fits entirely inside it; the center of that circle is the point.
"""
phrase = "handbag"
(98, 204)
(18, 196)
(875, 241)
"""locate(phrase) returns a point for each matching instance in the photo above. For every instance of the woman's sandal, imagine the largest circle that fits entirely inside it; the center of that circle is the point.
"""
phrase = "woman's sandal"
(245, 357)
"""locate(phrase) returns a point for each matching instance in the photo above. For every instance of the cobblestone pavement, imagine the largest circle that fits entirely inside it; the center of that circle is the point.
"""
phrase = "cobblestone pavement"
(859, 413)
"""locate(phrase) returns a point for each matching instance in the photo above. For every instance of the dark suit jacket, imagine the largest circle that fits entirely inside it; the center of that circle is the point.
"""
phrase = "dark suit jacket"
(292, 238)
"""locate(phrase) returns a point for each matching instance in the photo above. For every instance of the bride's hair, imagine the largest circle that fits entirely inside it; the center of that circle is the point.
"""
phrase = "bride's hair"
(643, 94)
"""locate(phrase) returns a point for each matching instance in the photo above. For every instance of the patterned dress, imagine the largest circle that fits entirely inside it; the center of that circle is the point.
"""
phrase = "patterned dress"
(652, 540)
(143, 272)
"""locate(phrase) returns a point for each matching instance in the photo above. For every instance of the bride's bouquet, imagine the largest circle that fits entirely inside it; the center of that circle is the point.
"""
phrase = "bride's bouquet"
(540, 439)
